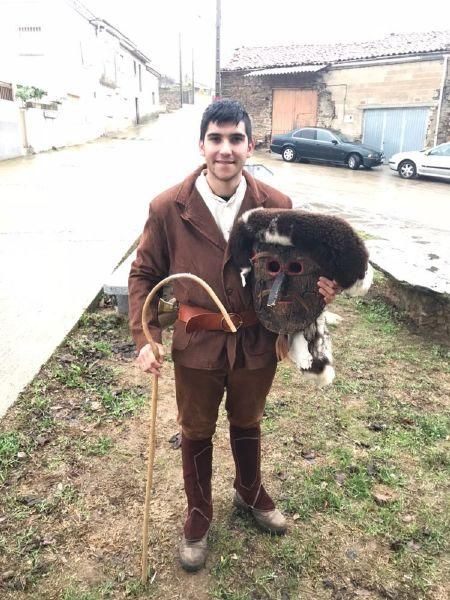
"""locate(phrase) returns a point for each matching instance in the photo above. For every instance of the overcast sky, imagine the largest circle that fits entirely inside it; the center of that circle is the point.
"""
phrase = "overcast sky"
(155, 25)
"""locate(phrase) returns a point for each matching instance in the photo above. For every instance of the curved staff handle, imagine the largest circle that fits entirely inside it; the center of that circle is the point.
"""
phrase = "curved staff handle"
(154, 400)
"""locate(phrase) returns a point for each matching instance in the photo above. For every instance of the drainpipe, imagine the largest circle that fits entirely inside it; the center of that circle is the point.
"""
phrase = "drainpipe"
(441, 98)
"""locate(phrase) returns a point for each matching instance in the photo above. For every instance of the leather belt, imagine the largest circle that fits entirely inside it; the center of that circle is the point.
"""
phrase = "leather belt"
(201, 319)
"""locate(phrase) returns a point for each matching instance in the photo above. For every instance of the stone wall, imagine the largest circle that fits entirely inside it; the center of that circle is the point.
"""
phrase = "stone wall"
(344, 93)
(170, 97)
(377, 86)
(426, 309)
(256, 94)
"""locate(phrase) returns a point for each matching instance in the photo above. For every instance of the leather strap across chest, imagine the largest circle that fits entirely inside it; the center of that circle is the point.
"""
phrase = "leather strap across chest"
(201, 319)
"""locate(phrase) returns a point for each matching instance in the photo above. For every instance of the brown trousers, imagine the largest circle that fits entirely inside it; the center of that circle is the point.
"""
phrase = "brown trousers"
(200, 392)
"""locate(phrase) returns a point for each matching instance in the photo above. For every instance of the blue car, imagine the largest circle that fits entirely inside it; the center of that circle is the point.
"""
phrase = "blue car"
(325, 145)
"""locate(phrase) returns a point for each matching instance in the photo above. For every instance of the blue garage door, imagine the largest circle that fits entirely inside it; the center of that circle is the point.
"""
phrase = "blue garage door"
(395, 129)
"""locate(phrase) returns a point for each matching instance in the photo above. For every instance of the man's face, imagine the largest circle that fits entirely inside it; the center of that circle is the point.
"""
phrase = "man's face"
(226, 148)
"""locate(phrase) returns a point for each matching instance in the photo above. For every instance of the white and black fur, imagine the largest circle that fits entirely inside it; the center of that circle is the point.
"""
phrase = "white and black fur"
(333, 244)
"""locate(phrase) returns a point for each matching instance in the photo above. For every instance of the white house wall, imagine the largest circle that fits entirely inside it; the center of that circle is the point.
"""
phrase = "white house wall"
(83, 67)
(10, 137)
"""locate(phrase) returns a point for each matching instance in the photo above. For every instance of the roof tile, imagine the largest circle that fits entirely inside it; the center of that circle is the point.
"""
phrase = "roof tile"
(394, 44)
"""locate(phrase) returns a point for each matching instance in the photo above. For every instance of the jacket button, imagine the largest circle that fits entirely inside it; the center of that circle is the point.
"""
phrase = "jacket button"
(229, 291)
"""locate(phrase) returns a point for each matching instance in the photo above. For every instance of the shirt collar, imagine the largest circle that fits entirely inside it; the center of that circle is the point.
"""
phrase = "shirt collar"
(206, 192)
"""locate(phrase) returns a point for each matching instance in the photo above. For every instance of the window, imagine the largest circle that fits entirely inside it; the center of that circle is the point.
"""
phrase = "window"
(30, 29)
(443, 150)
(6, 91)
(324, 136)
(31, 42)
(305, 134)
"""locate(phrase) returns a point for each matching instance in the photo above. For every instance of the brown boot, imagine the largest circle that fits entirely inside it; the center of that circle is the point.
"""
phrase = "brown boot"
(193, 554)
(197, 470)
(250, 493)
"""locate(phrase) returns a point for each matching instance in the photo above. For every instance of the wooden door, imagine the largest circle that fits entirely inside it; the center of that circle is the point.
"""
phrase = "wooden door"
(293, 109)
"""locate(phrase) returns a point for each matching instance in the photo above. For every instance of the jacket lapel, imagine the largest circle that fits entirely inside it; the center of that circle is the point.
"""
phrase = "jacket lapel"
(253, 198)
(197, 213)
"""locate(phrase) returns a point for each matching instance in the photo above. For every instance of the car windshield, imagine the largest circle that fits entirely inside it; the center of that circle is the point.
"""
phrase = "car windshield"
(346, 139)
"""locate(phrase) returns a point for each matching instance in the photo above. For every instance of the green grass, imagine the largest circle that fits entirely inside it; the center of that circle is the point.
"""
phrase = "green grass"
(122, 403)
(101, 321)
(98, 447)
(10, 444)
(101, 592)
(84, 376)
(247, 564)
(377, 313)
(84, 347)
(423, 431)
(385, 377)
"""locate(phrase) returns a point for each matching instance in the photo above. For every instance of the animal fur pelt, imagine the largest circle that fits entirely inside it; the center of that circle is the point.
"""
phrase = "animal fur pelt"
(337, 250)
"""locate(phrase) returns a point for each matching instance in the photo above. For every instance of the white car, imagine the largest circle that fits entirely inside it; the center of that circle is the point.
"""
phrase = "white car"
(432, 163)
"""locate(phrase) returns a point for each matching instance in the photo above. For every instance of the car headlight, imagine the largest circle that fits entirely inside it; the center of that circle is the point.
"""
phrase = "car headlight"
(371, 156)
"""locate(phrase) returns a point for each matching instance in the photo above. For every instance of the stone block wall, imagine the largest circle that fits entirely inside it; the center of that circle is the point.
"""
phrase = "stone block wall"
(426, 309)
(376, 86)
(256, 94)
(344, 93)
(170, 97)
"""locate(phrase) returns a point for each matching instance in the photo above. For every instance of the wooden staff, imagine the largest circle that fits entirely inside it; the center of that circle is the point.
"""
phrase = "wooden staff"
(154, 400)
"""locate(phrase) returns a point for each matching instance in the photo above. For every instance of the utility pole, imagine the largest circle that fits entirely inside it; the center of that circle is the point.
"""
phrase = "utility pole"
(181, 71)
(218, 83)
(193, 86)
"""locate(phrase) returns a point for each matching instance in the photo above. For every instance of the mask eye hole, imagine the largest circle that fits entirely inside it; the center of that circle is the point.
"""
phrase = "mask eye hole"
(295, 267)
(273, 266)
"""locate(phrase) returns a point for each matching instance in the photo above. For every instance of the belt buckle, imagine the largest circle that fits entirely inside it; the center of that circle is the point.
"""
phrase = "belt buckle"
(224, 326)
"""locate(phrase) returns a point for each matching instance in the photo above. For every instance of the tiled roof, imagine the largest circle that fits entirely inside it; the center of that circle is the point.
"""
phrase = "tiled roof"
(395, 44)
(286, 70)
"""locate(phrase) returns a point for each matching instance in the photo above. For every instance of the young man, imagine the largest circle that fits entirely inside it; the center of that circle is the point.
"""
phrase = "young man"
(187, 231)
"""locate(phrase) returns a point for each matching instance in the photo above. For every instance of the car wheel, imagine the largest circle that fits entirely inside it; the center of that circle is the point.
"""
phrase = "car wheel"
(353, 161)
(407, 169)
(288, 154)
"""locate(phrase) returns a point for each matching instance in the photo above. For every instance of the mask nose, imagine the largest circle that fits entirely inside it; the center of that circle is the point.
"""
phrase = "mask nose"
(276, 289)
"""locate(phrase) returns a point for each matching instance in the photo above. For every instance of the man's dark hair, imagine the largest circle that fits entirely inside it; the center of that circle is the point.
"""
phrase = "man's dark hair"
(225, 111)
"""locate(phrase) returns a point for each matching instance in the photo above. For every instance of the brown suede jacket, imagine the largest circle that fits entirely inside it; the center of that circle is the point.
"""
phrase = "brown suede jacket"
(181, 236)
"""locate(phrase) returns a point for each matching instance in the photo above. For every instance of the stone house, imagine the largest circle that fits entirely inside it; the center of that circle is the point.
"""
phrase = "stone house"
(96, 80)
(392, 93)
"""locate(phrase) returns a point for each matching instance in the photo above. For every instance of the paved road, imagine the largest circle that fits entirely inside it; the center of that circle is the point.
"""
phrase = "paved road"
(410, 220)
(66, 220)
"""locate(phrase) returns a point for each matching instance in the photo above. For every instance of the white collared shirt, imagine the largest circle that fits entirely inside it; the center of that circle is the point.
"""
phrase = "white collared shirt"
(223, 211)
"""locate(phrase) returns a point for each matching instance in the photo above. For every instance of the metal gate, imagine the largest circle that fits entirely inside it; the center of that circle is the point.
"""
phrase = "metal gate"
(395, 129)
(293, 109)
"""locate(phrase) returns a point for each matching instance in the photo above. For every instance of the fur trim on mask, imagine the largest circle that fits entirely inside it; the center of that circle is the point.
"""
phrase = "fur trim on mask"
(361, 286)
(330, 241)
(310, 351)
(333, 245)
(321, 379)
(332, 318)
